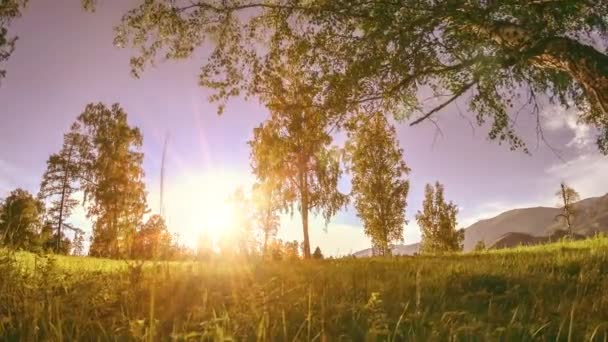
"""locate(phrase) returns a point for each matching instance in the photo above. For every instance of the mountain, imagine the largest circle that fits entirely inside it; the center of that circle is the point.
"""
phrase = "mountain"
(591, 217)
(525, 226)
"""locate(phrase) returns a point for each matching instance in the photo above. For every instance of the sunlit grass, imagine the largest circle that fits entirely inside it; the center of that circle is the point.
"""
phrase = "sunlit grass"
(552, 292)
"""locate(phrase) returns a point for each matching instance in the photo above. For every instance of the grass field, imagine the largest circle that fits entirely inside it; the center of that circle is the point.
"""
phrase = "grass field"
(557, 292)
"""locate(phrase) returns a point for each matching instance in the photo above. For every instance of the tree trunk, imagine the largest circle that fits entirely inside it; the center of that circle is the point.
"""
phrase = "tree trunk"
(585, 64)
(304, 211)
(64, 186)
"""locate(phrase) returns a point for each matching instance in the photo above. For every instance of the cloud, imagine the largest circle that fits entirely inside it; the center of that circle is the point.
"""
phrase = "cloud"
(585, 173)
(558, 118)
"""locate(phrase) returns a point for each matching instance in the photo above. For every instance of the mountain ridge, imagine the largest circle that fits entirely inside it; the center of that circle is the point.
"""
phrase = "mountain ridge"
(525, 226)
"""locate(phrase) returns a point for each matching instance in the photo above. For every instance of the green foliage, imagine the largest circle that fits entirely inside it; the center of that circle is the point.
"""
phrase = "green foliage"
(60, 183)
(502, 56)
(437, 221)
(111, 167)
(9, 10)
(479, 246)
(378, 181)
(291, 153)
(542, 293)
(47, 239)
(153, 240)
(21, 220)
(78, 243)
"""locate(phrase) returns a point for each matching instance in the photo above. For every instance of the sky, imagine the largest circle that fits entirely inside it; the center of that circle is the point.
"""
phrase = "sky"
(65, 59)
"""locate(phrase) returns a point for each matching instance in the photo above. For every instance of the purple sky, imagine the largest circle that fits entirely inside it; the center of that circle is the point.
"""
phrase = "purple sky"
(65, 59)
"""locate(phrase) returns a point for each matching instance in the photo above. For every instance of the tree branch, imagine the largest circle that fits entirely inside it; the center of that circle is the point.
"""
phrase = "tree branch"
(456, 95)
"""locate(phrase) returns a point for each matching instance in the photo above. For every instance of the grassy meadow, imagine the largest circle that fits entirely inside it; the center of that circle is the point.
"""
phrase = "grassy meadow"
(556, 292)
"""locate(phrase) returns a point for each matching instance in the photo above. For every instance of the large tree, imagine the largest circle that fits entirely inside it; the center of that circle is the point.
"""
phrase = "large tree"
(437, 221)
(60, 183)
(502, 56)
(9, 10)
(292, 152)
(378, 181)
(111, 167)
(21, 220)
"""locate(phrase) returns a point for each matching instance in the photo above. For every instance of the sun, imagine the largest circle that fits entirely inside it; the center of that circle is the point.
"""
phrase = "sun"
(199, 205)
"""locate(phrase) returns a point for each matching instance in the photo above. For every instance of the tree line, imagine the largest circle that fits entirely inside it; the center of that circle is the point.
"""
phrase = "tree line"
(297, 169)
(99, 166)
(362, 62)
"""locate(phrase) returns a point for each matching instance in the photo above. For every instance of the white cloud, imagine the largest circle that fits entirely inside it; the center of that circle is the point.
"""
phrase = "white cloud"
(559, 118)
(586, 173)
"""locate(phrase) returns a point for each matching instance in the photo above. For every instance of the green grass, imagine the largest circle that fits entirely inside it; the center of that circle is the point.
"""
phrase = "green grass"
(557, 292)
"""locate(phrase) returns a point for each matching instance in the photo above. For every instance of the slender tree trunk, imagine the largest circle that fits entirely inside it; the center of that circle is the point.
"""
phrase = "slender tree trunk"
(567, 212)
(64, 185)
(304, 211)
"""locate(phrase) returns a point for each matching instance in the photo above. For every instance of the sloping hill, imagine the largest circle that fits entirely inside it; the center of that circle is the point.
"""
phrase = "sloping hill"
(511, 240)
(591, 217)
(532, 221)
(527, 226)
(397, 250)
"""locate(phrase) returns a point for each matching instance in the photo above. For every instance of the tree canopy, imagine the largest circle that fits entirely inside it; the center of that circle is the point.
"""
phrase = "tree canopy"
(21, 220)
(437, 221)
(379, 186)
(9, 10)
(111, 167)
(60, 182)
(153, 240)
(503, 57)
(292, 153)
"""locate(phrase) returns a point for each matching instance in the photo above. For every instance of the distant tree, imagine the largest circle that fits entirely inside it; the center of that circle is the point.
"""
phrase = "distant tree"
(379, 183)
(9, 10)
(60, 183)
(78, 243)
(480, 246)
(111, 164)
(266, 213)
(437, 221)
(567, 196)
(21, 220)
(291, 250)
(317, 254)
(240, 238)
(292, 152)
(47, 240)
(275, 250)
(152, 240)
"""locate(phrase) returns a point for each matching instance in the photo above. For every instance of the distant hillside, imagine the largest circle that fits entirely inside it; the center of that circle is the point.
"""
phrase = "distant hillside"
(511, 240)
(592, 216)
(397, 250)
(527, 226)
